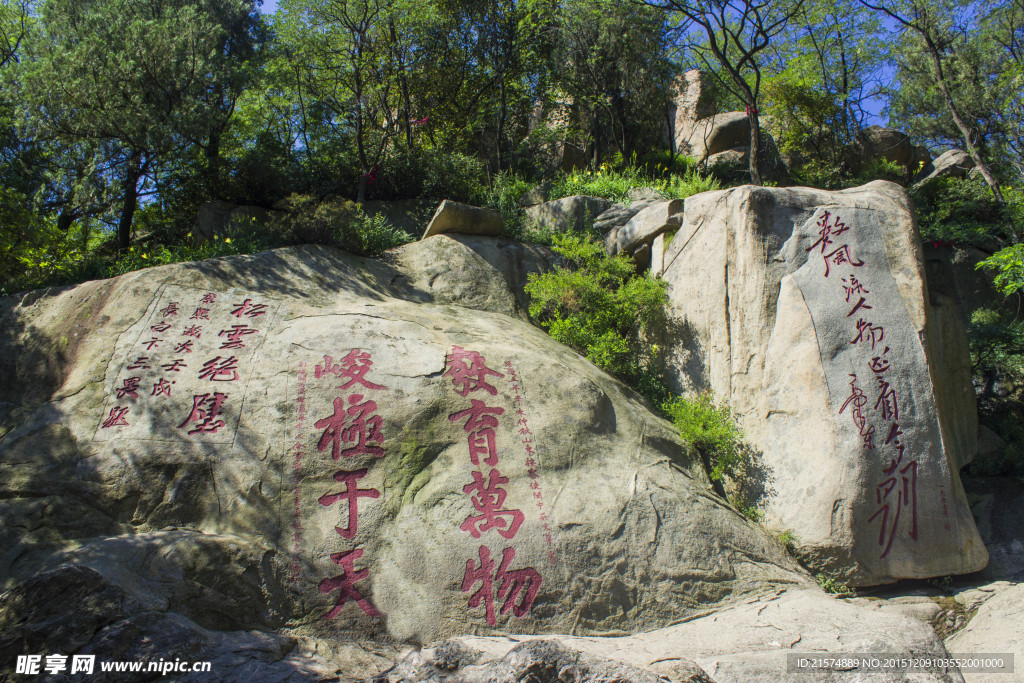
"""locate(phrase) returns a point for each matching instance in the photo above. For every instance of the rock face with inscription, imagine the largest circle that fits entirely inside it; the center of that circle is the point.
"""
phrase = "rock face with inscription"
(327, 449)
(808, 310)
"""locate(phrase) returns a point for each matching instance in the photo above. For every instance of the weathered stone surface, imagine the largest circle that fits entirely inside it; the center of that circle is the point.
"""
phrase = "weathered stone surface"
(490, 276)
(642, 228)
(734, 164)
(747, 642)
(952, 164)
(463, 219)
(765, 326)
(218, 216)
(952, 273)
(996, 628)
(729, 161)
(619, 214)
(196, 477)
(540, 659)
(645, 194)
(568, 213)
(878, 142)
(691, 101)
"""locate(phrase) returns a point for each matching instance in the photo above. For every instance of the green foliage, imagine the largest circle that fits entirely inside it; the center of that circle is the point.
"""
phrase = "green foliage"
(831, 584)
(711, 429)
(333, 222)
(745, 508)
(616, 184)
(787, 539)
(997, 355)
(78, 265)
(997, 342)
(1008, 265)
(503, 196)
(960, 211)
(598, 305)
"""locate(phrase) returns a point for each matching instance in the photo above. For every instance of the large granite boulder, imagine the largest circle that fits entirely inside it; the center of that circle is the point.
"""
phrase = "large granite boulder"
(577, 212)
(808, 311)
(462, 219)
(301, 453)
(996, 629)
(954, 163)
(713, 134)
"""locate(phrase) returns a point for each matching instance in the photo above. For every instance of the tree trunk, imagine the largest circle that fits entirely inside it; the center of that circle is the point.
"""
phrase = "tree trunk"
(361, 192)
(755, 145)
(130, 187)
(213, 165)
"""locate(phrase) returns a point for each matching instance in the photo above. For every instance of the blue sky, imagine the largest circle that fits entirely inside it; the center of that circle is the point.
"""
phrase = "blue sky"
(269, 6)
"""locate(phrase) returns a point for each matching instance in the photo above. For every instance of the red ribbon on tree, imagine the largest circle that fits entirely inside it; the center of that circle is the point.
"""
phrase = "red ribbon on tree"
(751, 111)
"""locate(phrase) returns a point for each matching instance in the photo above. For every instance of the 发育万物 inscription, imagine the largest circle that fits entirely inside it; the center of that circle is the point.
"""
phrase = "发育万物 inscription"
(492, 579)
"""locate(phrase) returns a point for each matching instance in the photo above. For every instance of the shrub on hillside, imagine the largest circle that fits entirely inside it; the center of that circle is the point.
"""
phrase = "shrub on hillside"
(711, 429)
(598, 305)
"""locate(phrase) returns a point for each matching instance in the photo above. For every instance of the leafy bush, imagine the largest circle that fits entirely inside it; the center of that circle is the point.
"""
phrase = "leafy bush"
(100, 264)
(711, 429)
(1008, 265)
(598, 305)
(503, 196)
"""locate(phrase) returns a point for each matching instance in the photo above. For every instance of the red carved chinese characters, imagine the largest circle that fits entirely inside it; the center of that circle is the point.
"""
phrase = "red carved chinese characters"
(896, 493)
(488, 497)
(487, 491)
(249, 309)
(235, 336)
(517, 584)
(116, 418)
(350, 495)
(353, 421)
(468, 372)
(156, 367)
(364, 428)
(220, 370)
(352, 367)
(206, 409)
(344, 583)
(130, 388)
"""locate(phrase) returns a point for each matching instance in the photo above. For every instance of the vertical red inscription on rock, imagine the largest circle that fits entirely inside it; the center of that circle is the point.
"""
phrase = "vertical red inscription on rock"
(898, 490)
(469, 373)
(353, 421)
(206, 409)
